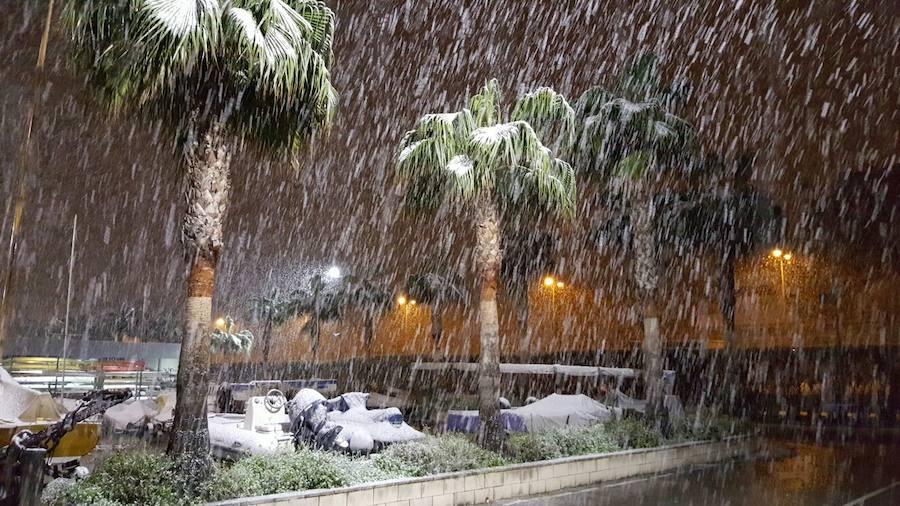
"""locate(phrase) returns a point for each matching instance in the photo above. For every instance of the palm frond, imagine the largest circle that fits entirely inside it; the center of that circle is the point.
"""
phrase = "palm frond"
(259, 67)
(485, 106)
(549, 114)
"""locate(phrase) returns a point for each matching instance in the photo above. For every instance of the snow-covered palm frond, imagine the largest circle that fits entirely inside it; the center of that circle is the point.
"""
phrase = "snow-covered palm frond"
(434, 287)
(549, 114)
(261, 67)
(436, 152)
(225, 340)
(472, 152)
(485, 106)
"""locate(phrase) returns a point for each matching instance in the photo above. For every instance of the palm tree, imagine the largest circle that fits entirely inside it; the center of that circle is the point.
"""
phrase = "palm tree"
(369, 293)
(626, 138)
(527, 254)
(267, 308)
(476, 157)
(436, 289)
(730, 217)
(322, 302)
(228, 341)
(217, 73)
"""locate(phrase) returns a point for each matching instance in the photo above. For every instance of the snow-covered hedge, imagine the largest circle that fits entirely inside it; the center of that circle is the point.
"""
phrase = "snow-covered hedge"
(145, 479)
(434, 455)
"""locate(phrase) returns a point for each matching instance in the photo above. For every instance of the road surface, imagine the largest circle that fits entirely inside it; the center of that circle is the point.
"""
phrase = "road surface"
(800, 474)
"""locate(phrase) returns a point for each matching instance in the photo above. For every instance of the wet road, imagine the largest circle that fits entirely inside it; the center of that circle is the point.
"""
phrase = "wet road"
(800, 474)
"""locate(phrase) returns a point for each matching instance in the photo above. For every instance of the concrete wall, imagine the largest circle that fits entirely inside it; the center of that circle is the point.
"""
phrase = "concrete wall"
(508, 482)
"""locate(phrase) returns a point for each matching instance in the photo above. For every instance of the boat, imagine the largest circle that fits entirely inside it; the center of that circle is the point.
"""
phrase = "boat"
(264, 428)
(22, 408)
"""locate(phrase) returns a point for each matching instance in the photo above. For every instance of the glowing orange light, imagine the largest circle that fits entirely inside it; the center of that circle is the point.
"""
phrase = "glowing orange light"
(549, 281)
(787, 256)
(777, 253)
(412, 302)
(560, 284)
(401, 300)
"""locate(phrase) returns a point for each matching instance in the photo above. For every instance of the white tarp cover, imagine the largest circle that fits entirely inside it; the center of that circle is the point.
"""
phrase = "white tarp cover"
(20, 405)
(557, 410)
(136, 412)
(564, 370)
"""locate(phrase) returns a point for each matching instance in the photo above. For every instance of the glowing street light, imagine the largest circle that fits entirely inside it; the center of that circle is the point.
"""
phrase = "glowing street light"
(560, 284)
(333, 272)
(401, 300)
(549, 281)
(412, 302)
(782, 257)
(220, 322)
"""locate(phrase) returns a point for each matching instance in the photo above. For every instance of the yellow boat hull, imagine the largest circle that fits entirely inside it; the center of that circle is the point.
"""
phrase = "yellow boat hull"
(75, 444)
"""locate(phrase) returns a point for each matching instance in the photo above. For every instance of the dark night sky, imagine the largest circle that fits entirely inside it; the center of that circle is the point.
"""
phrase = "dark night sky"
(811, 86)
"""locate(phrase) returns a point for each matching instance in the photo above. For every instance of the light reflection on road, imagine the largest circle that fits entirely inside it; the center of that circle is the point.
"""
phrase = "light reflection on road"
(801, 474)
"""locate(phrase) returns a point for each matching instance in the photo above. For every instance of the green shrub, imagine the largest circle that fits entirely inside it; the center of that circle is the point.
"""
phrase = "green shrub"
(130, 478)
(533, 446)
(357, 470)
(632, 433)
(561, 442)
(588, 440)
(714, 428)
(273, 474)
(435, 454)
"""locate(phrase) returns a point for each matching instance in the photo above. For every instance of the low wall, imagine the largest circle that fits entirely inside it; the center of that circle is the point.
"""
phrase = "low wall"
(519, 480)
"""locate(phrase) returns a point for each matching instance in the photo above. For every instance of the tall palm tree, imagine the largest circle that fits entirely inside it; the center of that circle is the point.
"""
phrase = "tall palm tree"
(625, 138)
(370, 294)
(489, 164)
(267, 308)
(436, 289)
(321, 301)
(527, 255)
(730, 218)
(217, 73)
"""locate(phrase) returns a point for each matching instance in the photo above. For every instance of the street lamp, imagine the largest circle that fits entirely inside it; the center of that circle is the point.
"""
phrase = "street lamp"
(333, 272)
(781, 257)
(220, 322)
(549, 281)
(401, 300)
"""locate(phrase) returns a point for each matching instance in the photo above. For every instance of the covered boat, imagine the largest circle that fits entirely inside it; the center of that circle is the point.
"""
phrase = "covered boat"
(23, 408)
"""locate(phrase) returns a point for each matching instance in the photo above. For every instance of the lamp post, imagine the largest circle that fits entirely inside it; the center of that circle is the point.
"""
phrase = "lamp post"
(781, 257)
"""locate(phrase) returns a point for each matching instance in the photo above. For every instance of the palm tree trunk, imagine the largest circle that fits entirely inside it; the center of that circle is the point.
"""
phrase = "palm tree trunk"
(368, 328)
(437, 331)
(646, 272)
(22, 184)
(727, 379)
(522, 322)
(487, 259)
(314, 334)
(437, 324)
(267, 341)
(208, 164)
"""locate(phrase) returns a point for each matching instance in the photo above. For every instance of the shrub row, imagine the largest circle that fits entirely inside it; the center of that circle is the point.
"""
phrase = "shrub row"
(146, 479)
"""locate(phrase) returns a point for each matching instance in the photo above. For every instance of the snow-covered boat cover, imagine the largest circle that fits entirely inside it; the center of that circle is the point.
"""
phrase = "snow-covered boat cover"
(136, 412)
(563, 370)
(21, 405)
(468, 421)
(557, 410)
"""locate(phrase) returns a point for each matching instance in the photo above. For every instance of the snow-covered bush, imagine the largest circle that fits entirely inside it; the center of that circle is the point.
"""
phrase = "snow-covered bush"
(436, 454)
(129, 478)
(273, 474)
(534, 446)
(633, 433)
